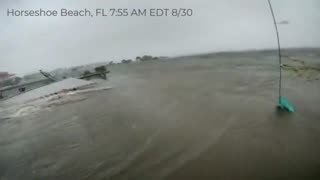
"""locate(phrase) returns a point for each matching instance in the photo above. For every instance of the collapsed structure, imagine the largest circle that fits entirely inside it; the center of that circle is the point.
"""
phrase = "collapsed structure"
(70, 84)
(26, 92)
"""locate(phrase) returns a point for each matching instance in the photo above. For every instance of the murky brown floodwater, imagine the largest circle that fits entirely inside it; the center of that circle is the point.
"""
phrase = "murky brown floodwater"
(190, 118)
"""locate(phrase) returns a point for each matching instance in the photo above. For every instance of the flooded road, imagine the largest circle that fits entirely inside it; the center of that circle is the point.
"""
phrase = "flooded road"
(201, 117)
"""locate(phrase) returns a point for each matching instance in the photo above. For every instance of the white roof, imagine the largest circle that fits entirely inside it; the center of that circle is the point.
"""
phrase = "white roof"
(66, 84)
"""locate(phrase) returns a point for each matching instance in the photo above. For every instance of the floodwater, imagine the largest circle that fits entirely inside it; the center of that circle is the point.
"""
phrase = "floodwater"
(200, 117)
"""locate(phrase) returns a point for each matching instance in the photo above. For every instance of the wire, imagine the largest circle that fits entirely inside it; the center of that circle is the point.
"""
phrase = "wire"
(279, 48)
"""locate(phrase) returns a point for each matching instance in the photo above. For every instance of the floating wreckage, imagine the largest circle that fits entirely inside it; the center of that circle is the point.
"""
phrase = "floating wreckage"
(11, 91)
(53, 94)
(70, 84)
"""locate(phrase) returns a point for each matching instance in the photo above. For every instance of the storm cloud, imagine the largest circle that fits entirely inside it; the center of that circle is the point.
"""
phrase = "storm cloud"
(31, 43)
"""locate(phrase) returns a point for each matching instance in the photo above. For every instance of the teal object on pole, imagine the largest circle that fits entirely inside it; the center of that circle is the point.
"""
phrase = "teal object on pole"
(285, 104)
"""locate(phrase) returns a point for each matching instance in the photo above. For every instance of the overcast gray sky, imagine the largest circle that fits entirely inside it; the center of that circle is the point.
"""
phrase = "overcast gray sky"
(31, 43)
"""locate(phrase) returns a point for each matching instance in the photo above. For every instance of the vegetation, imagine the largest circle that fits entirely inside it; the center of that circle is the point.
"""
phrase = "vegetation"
(100, 69)
(126, 61)
(11, 81)
(146, 58)
(87, 72)
(33, 77)
(78, 71)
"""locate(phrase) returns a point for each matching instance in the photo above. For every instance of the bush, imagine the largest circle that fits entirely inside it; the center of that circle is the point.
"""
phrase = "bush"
(126, 61)
(148, 58)
(11, 82)
(87, 72)
(100, 69)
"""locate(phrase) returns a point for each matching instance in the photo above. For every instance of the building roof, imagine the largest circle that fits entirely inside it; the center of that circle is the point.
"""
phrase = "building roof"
(56, 87)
